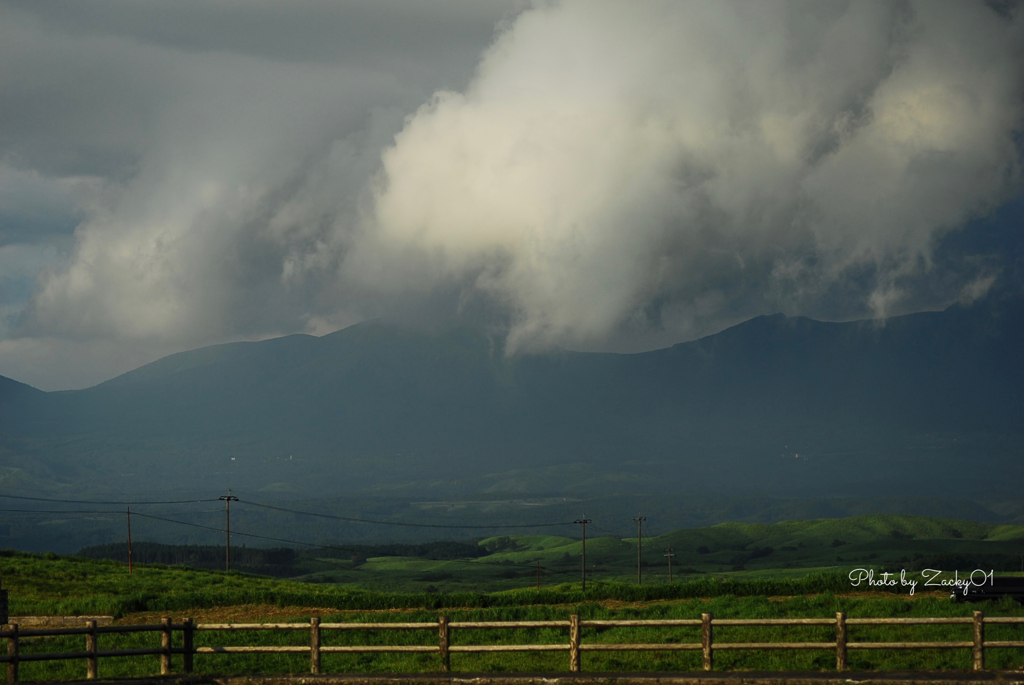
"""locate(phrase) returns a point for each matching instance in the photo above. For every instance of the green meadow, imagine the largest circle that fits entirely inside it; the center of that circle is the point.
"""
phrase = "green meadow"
(790, 569)
(790, 549)
(213, 597)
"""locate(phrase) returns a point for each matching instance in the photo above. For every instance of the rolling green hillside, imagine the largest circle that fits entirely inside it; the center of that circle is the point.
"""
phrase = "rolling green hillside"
(783, 550)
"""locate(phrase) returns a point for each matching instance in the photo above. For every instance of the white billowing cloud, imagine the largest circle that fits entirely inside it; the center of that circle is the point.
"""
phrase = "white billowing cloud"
(614, 157)
(168, 254)
(617, 174)
(239, 161)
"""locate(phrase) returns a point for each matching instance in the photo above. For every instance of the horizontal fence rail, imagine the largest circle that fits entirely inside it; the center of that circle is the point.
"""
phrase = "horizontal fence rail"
(443, 628)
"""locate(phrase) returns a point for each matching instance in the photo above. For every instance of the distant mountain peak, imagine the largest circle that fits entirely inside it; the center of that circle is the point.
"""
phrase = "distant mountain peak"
(10, 388)
(868, 406)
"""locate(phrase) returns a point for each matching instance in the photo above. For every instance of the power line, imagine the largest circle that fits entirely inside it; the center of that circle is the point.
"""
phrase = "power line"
(129, 540)
(402, 523)
(126, 503)
(250, 535)
(639, 544)
(59, 511)
(583, 562)
(103, 512)
(228, 499)
(91, 511)
(621, 530)
(180, 523)
(313, 545)
(291, 511)
(247, 535)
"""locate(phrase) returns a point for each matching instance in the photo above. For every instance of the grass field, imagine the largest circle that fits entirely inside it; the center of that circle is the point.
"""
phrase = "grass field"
(727, 606)
(734, 571)
(70, 585)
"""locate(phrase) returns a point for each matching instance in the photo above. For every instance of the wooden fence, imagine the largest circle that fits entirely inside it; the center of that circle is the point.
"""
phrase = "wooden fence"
(445, 648)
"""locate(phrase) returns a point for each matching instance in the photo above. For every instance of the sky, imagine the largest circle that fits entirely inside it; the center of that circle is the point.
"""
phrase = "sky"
(591, 175)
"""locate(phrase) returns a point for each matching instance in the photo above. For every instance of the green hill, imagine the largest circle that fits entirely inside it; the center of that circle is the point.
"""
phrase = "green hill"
(731, 550)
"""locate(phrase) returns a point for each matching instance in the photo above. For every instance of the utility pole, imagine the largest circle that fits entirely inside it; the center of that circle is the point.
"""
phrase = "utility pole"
(669, 554)
(228, 499)
(129, 540)
(639, 544)
(583, 566)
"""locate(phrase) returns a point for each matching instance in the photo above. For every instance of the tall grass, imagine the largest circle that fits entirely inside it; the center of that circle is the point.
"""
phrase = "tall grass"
(75, 586)
(294, 594)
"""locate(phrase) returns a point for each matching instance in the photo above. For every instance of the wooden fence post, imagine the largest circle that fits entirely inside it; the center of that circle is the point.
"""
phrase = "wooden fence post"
(840, 640)
(314, 645)
(443, 640)
(90, 648)
(12, 653)
(187, 645)
(165, 645)
(979, 641)
(574, 643)
(705, 641)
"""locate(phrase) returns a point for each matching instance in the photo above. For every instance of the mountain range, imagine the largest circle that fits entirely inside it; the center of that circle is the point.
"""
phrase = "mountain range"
(928, 404)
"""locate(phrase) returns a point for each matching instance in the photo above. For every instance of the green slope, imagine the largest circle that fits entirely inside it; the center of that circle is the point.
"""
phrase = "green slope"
(851, 530)
(732, 550)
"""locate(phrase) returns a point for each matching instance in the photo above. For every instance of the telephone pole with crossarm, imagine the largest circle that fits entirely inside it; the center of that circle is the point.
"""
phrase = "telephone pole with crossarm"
(583, 563)
(228, 499)
(639, 544)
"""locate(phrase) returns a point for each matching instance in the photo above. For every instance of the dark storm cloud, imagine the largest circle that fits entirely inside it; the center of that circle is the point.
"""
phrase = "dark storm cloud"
(442, 36)
(205, 155)
(595, 174)
(657, 169)
(36, 209)
(83, 81)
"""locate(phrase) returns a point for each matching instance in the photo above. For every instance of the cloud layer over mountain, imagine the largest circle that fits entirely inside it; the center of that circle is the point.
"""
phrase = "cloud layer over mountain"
(615, 161)
(597, 174)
